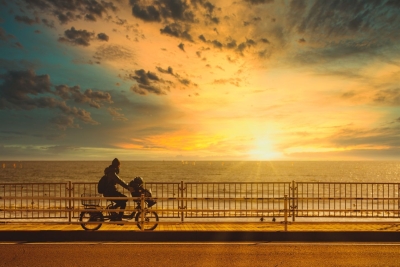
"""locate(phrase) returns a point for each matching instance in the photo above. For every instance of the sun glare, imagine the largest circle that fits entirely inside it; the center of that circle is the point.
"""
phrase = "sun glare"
(263, 150)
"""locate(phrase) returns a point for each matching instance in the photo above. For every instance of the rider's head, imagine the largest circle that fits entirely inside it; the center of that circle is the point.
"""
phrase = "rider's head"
(115, 163)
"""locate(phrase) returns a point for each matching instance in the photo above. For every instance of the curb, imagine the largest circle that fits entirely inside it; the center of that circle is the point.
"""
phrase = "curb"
(197, 236)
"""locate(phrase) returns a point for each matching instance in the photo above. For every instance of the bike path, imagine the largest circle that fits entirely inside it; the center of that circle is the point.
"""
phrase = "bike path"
(213, 226)
(205, 232)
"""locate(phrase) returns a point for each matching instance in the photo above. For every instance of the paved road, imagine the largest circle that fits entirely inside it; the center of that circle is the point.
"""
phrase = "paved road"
(199, 254)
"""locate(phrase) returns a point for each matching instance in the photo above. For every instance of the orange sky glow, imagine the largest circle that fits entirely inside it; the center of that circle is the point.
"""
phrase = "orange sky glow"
(200, 80)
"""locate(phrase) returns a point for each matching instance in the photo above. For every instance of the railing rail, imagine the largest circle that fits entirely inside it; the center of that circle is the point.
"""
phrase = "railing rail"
(213, 200)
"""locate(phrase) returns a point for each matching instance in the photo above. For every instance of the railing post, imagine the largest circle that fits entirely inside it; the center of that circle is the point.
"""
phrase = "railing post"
(142, 211)
(182, 207)
(294, 202)
(398, 199)
(285, 212)
(69, 201)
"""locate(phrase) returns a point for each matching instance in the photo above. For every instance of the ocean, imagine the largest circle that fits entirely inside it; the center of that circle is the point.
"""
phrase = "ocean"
(204, 171)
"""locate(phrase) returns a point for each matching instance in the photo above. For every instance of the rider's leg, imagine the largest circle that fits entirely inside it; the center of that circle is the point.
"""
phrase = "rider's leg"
(120, 204)
(121, 213)
(114, 215)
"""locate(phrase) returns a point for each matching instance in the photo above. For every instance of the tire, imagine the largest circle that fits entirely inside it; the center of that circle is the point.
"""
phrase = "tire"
(150, 220)
(91, 217)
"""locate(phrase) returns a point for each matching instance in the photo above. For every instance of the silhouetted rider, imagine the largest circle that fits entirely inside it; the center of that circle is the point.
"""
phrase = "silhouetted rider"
(113, 179)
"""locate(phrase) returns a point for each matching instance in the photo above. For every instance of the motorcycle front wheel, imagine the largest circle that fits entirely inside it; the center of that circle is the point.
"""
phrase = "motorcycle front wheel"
(89, 220)
(150, 221)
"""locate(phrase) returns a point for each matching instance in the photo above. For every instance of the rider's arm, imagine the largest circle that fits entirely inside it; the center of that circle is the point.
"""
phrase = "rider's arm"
(119, 181)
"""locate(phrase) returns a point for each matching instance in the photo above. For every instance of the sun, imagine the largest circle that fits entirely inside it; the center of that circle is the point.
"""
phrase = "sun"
(263, 150)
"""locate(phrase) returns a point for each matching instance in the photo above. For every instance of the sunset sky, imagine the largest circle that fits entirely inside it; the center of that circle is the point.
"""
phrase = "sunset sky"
(200, 80)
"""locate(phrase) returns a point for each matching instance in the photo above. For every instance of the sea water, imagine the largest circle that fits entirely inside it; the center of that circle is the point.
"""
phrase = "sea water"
(204, 171)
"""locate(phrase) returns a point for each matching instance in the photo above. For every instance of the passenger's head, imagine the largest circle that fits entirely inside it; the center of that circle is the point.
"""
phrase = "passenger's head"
(137, 183)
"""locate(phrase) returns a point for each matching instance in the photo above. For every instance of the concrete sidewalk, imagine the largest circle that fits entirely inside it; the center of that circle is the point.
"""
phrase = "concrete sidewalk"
(205, 232)
(218, 226)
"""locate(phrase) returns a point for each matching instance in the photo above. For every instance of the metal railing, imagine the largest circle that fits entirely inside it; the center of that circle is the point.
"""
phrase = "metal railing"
(182, 201)
(34, 200)
(235, 199)
(368, 200)
(95, 208)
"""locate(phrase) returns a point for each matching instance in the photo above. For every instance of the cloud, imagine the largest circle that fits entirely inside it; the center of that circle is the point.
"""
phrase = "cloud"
(182, 47)
(233, 81)
(116, 114)
(232, 44)
(167, 71)
(217, 44)
(63, 122)
(145, 89)
(389, 97)
(18, 87)
(146, 13)
(367, 138)
(338, 20)
(75, 112)
(145, 78)
(65, 18)
(178, 10)
(185, 82)
(77, 37)
(24, 90)
(11, 135)
(40, 4)
(62, 149)
(4, 36)
(165, 9)
(177, 30)
(6, 64)
(301, 41)
(120, 21)
(48, 23)
(67, 11)
(348, 141)
(18, 45)
(345, 31)
(336, 51)
(253, 21)
(90, 17)
(146, 83)
(172, 13)
(393, 3)
(26, 20)
(258, 2)
(354, 154)
(113, 52)
(202, 38)
(170, 71)
(103, 37)
(93, 98)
